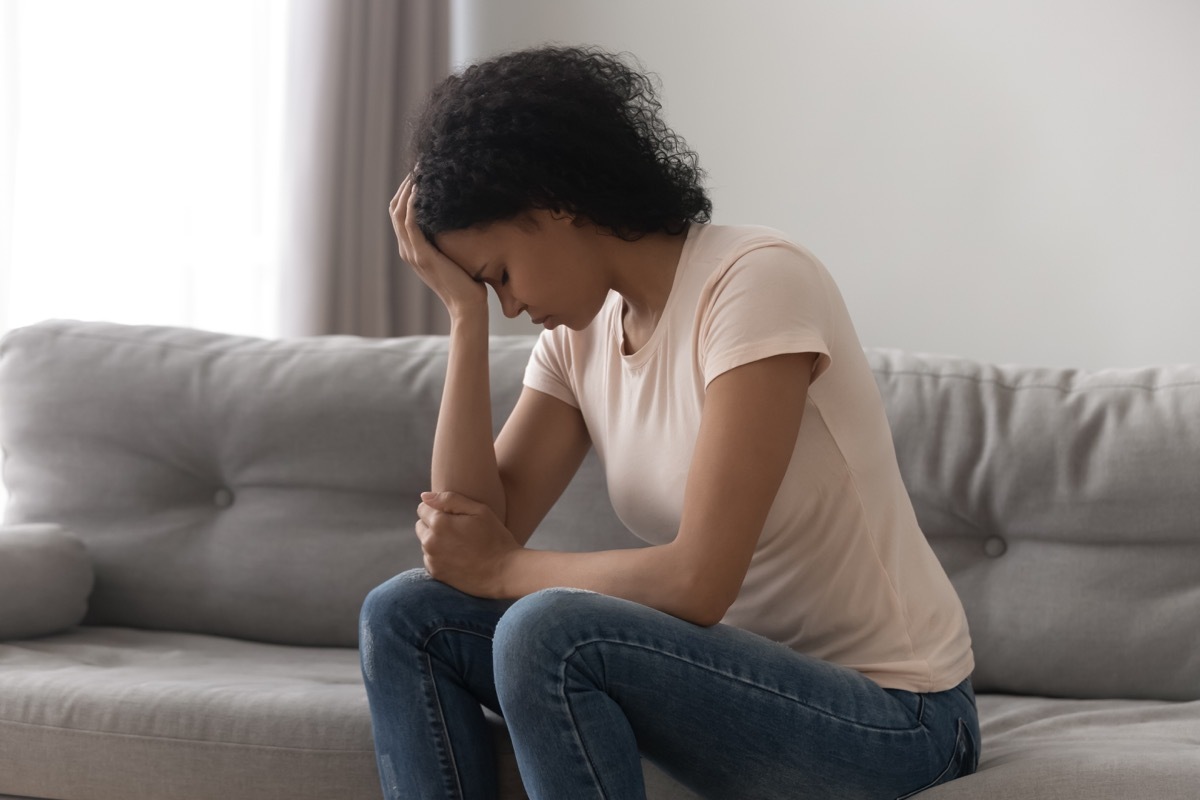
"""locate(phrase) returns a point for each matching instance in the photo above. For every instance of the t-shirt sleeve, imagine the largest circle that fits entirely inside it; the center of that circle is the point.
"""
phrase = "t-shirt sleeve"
(770, 301)
(548, 368)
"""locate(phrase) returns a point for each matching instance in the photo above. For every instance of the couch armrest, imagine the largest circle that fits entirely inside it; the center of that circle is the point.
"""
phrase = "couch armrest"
(45, 580)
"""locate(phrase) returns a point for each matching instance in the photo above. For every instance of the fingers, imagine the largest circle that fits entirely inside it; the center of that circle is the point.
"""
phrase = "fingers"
(439, 509)
(451, 502)
(395, 202)
(452, 284)
(400, 203)
(415, 235)
(430, 517)
(404, 221)
(423, 531)
(399, 209)
(396, 197)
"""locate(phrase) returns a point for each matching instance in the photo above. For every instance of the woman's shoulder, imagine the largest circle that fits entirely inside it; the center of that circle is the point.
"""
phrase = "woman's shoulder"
(722, 245)
(722, 237)
(721, 252)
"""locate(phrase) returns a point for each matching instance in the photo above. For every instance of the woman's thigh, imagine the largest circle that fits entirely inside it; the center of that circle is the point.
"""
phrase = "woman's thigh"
(732, 714)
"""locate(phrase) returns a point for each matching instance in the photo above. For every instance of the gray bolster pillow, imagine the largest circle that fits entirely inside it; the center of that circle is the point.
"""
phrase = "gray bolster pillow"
(45, 579)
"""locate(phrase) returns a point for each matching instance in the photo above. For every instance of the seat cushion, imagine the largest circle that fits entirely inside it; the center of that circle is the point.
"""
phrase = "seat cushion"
(1052, 749)
(113, 713)
(102, 713)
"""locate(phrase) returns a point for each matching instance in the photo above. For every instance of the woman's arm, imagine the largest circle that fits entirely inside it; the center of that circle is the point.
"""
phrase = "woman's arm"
(521, 475)
(539, 450)
(464, 460)
(748, 432)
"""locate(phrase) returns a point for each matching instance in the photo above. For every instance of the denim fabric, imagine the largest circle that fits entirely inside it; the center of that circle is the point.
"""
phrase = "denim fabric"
(588, 684)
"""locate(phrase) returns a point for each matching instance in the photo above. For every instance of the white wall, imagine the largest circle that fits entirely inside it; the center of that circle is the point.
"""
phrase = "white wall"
(1009, 180)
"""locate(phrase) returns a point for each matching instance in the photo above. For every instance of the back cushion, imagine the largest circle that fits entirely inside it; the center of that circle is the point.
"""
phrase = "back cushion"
(1065, 506)
(259, 489)
(237, 486)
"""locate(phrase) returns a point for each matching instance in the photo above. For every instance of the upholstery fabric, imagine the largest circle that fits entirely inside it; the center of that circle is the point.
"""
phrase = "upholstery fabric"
(242, 487)
(192, 717)
(1063, 505)
(189, 716)
(1037, 748)
(238, 498)
(182, 716)
(45, 580)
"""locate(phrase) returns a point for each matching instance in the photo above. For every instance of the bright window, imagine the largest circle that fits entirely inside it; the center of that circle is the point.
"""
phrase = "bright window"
(142, 162)
(139, 162)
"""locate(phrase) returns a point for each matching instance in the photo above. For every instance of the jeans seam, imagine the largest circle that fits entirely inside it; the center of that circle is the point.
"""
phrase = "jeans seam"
(960, 732)
(443, 727)
(743, 681)
(587, 757)
(437, 701)
(453, 629)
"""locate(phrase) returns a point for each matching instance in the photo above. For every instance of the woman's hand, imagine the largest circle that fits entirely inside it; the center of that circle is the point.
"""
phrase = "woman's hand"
(465, 544)
(454, 287)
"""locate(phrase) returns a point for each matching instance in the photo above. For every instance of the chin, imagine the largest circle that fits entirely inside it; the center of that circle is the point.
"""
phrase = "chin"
(575, 325)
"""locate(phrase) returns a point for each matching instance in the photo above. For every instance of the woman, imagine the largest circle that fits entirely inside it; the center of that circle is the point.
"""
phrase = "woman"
(788, 633)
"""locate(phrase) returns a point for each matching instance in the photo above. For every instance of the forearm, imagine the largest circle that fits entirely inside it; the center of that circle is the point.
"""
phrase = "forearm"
(464, 456)
(653, 576)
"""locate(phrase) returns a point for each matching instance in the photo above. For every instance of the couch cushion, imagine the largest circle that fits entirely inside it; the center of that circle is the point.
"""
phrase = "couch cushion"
(1064, 506)
(117, 713)
(45, 579)
(237, 486)
(114, 713)
(1038, 748)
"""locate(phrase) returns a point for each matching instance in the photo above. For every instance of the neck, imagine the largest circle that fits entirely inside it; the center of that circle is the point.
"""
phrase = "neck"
(643, 271)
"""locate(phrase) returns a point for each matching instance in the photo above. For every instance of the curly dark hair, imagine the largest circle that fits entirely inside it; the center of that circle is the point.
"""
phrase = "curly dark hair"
(567, 129)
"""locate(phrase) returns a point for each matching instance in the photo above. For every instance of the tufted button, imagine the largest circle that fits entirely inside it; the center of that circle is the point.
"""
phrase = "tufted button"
(223, 498)
(995, 547)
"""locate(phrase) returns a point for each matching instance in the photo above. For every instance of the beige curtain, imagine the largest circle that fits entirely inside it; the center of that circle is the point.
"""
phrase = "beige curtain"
(356, 71)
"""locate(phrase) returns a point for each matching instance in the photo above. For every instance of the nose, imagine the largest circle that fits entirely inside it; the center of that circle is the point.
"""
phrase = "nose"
(510, 306)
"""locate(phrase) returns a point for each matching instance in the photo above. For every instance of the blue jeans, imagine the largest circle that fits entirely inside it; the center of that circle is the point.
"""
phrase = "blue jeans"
(589, 683)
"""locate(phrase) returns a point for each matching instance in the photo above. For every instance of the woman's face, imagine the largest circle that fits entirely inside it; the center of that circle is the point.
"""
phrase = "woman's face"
(544, 266)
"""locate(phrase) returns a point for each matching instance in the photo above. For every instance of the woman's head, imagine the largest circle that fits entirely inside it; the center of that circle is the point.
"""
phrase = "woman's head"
(567, 129)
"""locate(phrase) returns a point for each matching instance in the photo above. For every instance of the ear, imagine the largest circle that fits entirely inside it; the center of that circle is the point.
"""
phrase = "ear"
(575, 220)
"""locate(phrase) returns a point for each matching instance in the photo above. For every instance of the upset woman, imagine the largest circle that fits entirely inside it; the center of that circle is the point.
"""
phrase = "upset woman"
(788, 632)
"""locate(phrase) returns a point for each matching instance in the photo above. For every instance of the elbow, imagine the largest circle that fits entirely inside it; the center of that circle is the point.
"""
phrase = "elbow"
(704, 602)
(699, 590)
(705, 618)
(705, 614)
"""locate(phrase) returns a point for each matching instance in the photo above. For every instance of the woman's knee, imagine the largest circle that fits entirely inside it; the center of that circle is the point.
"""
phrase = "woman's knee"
(407, 609)
(542, 630)
(397, 597)
(384, 617)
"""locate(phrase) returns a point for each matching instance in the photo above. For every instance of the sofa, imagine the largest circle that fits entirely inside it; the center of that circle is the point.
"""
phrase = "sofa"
(195, 518)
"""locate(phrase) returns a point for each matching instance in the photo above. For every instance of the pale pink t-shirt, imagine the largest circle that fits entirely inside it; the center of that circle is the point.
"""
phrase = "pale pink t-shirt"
(842, 570)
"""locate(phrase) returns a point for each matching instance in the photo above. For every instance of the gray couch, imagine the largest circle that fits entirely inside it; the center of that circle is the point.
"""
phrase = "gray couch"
(195, 519)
